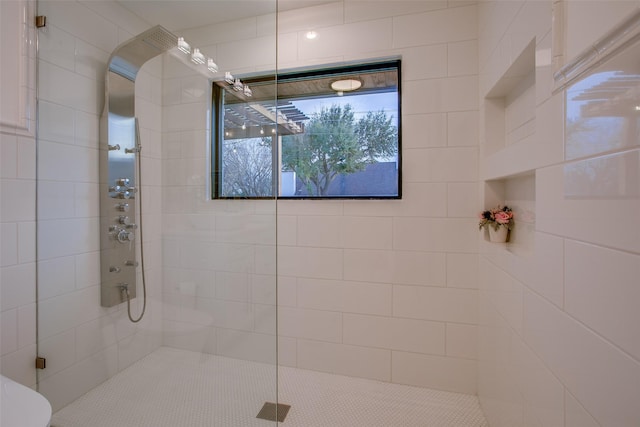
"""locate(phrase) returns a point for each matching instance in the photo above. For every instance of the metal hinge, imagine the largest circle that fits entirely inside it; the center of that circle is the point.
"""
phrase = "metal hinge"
(41, 363)
(41, 21)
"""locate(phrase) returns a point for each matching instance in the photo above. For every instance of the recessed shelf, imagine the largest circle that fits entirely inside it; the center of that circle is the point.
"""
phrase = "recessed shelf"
(519, 193)
(511, 103)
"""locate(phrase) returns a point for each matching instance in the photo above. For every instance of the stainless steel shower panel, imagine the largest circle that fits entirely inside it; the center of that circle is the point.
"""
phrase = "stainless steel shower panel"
(119, 148)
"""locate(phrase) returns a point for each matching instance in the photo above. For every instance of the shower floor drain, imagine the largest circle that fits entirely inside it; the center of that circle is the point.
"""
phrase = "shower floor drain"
(273, 411)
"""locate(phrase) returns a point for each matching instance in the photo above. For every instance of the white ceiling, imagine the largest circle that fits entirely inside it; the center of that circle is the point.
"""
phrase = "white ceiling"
(178, 15)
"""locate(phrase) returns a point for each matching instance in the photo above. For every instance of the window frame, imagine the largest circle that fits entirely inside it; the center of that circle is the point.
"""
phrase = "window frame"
(217, 121)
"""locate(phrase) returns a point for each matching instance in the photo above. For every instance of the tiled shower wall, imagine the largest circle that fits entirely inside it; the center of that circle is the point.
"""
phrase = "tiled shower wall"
(83, 342)
(387, 289)
(18, 193)
(558, 339)
(375, 289)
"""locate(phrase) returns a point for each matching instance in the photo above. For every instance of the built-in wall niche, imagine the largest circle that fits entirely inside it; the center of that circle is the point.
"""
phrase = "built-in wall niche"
(510, 105)
(519, 193)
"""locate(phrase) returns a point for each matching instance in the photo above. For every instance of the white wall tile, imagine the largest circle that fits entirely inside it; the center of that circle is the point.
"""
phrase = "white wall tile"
(600, 376)
(424, 62)
(227, 314)
(367, 232)
(69, 310)
(435, 234)
(287, 352)
(287, 230)
(431, 303)
(231, 286)
(424, 130)
(8, 156)
(310, 324)
(577, 216)
(68, 385)
(462, 200)
(324, 15)
(322, 263)
(462, 270)
(324, 231)
(343, 359)
(576, 415)
(60, 351)
(418, 199)
(601, 288)
(366, 37)
(442, 373)
(61, 86)
(26, 158)
(67, 162)
(439, 26)
(26, 242)
(505, 291)
(188, 336)
(56, 277)
(9, 328)
(90, 60)
(417, 336)
(462, 128)
(462, 341)
(19, 365)
(84, 24)
(247, 346)
(440, 95)
(68, 237)
(56, 122)
(350, 297)
(87, 199)
(365, 10)
(87, 272)
(462, 58)
(9, 243)
(54, 201)
(27, 325)
(542, 393)
(94, 336)
(418, 268)
(18, 285)
(264, 319)
(18, 203)
(546, 275)
(457, 164)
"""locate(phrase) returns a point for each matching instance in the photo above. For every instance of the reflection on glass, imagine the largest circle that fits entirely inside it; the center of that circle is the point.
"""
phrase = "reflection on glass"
(607, 177)
(603, 109)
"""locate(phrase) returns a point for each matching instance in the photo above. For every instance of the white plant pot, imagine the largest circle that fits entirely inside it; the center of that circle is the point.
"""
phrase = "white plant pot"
(498, 236)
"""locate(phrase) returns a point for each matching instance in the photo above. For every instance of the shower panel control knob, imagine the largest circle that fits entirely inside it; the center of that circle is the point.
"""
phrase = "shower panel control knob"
(124, 236)
(122, 181)
(123, 219)
(123, 207)
(123, 195)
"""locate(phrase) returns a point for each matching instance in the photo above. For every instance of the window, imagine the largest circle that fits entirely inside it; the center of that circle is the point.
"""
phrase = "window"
(331, 133)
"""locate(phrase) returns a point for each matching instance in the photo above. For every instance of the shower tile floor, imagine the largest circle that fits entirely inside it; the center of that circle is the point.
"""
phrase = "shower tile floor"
(178, 388)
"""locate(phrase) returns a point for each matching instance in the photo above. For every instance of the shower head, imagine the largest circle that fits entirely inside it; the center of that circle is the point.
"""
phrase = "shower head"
(127, 59)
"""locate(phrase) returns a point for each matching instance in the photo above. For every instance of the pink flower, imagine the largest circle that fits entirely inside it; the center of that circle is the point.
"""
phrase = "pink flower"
(502, 217)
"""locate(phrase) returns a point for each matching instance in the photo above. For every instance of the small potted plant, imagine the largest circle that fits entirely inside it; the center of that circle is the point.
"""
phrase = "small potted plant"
(499, 221)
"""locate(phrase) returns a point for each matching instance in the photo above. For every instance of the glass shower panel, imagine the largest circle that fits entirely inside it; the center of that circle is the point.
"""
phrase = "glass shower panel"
(204, 351)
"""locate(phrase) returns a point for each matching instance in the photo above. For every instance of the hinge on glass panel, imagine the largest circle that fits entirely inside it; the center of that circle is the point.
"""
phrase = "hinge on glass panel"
(41, 363)
(41, 21)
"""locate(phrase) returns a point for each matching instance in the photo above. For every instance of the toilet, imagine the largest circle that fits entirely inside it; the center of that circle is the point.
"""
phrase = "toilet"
(22, 406)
